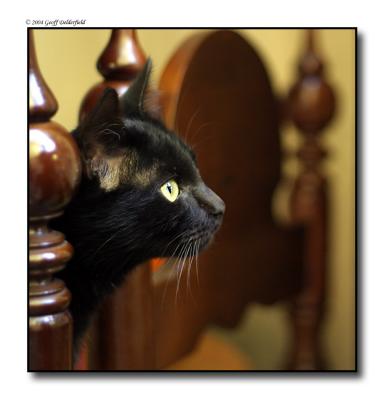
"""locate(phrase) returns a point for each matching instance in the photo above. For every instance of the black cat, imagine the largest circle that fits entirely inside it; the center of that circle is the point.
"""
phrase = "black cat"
(141, 196)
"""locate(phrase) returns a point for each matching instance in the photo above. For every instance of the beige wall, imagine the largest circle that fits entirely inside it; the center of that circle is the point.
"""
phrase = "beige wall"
(67, 59)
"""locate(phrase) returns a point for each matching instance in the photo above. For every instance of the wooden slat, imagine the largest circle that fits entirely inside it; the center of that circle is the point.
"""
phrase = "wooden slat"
(311, 106)
(118, 63)
(54, 171)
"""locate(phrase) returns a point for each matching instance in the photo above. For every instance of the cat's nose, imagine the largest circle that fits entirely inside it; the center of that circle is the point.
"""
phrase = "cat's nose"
(210, 201)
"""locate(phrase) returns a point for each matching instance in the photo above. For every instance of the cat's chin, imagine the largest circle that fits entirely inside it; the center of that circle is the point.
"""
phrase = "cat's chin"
(207, 239)
(206, 242)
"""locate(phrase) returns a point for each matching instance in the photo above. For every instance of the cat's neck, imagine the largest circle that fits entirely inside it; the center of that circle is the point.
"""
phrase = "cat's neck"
(90, 284)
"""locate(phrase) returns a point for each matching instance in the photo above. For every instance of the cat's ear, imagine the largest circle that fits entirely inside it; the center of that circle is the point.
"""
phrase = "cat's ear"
(98, 137)
(99, 133)
(133, 99)
(104, 113)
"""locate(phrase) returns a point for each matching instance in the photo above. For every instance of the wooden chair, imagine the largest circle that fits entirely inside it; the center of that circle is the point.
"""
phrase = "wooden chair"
(215, 91)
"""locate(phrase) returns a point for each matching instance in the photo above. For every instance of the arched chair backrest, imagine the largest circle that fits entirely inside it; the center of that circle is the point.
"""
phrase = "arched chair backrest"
(217, 94)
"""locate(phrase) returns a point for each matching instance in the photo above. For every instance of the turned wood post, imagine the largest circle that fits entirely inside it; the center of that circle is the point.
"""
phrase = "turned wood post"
(54, 171)
(122, 333)
(119, 63)
(311, 106)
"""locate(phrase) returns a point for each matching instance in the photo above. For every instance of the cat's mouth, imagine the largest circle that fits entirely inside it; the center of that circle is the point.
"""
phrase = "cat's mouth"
(195, 244)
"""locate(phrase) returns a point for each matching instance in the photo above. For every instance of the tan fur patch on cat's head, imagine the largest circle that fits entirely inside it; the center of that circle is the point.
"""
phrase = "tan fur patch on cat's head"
(119, 169)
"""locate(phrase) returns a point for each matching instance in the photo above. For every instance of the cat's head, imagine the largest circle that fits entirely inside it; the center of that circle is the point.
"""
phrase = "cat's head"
(143, 179)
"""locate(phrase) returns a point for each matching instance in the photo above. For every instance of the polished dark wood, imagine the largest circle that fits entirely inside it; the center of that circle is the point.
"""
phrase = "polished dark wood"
(121, 335)
(124, 338)
(119, 63)
(311, 105)
(54, 171)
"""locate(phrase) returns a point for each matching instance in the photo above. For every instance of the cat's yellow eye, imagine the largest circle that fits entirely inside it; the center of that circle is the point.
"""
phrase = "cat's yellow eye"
(170, 190)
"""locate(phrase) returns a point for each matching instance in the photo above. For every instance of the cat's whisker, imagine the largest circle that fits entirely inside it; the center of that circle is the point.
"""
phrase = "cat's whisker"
(189, 266)
(109, 123)
(179, 273)
(178, 267)
(196, 262)
(172, 241)
(188, 263)
(108, 240)
(185, 256)
(173, 262)
(185, 94)
(196, 250)
(205, 138)
(190, 124)
(193, 255)
(108, 131)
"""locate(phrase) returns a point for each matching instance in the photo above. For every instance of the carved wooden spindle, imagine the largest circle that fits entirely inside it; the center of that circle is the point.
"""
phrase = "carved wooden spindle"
(54, 171)
(119, 63)
(127, 312)
(311, 107)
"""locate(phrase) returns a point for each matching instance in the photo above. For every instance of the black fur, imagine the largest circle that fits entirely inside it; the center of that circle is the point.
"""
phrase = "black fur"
(114, 229)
